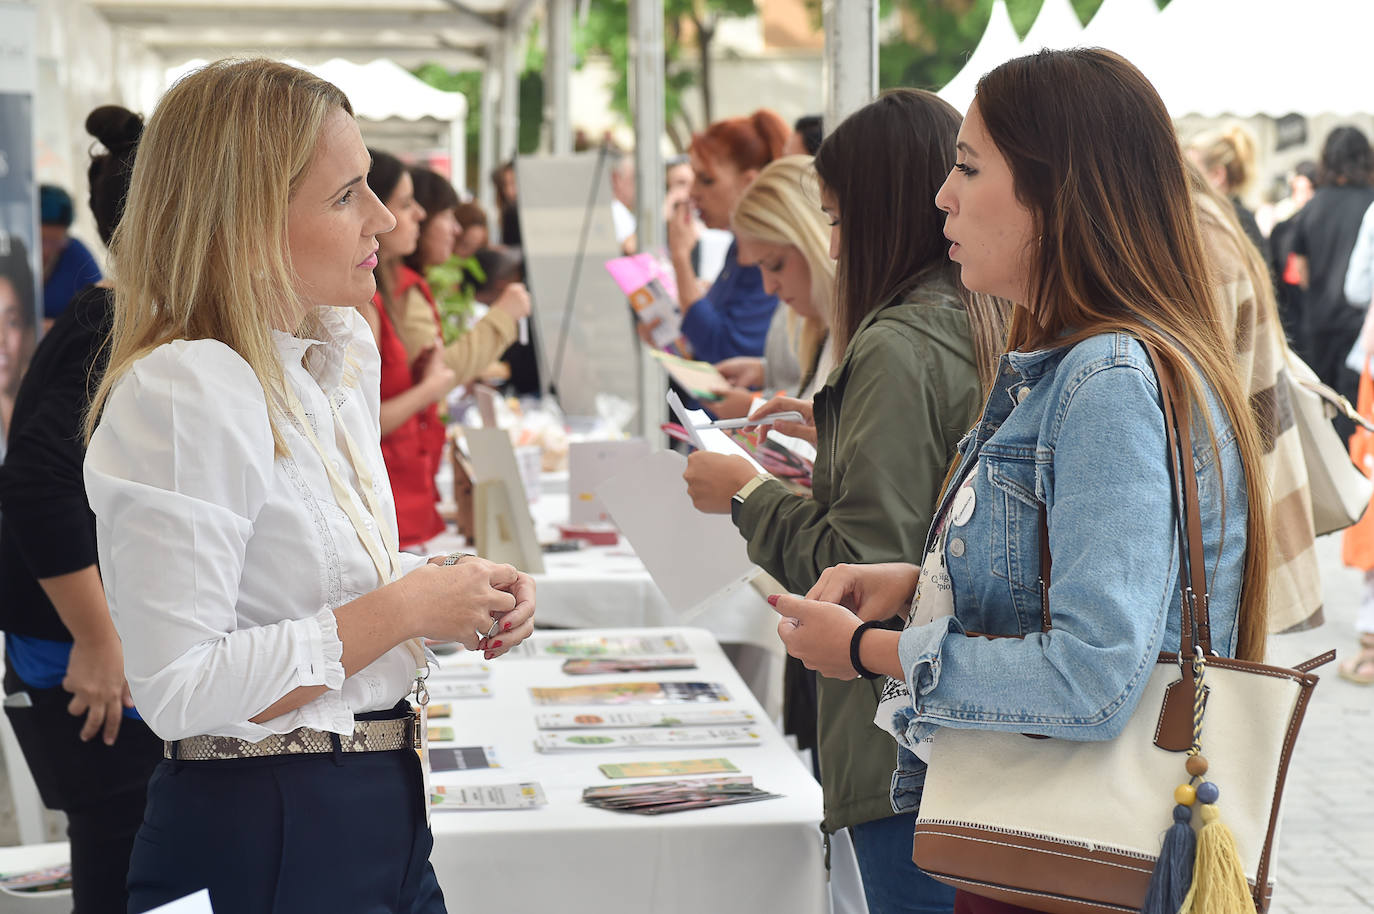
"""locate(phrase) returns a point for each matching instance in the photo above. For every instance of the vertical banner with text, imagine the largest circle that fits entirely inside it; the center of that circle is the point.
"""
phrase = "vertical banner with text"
(20, 262)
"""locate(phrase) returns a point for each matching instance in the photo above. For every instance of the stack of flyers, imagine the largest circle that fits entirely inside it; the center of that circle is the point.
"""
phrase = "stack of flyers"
(526, 795)
(657, 797)
(642, 717)
(581, 666)
(614, 646)
(647, 739)
(630, 693)
(48, 879)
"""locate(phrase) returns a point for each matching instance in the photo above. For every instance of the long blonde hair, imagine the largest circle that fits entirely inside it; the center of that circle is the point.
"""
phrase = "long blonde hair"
(782, 206)
(201, 252)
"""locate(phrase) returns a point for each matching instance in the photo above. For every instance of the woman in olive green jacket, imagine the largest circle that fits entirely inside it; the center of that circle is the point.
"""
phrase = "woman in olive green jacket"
(885, 424)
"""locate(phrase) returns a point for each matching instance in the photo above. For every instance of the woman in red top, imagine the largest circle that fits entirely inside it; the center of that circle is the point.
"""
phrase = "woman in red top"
(412, 434)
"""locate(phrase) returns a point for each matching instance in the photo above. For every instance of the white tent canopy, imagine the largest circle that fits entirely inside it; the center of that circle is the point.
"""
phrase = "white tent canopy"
(1210, 57)
(998, 45)
(384, 93)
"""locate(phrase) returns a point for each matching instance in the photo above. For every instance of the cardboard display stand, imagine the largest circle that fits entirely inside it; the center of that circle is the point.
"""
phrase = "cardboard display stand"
(503, 528)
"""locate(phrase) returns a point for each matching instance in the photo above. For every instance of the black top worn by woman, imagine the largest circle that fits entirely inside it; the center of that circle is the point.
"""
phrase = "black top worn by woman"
(46, 525)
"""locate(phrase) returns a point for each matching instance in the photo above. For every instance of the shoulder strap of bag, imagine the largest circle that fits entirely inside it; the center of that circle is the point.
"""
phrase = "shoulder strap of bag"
(1195, 630)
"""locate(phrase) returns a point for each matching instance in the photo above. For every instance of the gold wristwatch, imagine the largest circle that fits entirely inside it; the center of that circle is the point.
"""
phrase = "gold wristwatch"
(737, 500)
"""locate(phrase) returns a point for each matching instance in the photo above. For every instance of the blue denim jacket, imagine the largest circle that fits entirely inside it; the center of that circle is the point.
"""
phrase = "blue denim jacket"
(1079, 429)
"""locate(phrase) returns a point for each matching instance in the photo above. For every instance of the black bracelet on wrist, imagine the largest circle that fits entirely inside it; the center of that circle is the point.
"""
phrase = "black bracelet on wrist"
(854, 649)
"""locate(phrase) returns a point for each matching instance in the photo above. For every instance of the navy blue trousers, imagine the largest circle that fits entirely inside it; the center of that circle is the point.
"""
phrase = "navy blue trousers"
(288, 835)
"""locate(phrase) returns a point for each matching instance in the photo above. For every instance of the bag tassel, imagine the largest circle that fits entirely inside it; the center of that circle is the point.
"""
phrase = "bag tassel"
(1173, 872)
(1219, 884)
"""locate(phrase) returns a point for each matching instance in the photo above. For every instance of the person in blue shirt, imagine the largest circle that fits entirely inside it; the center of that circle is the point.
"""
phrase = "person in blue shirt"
(68, 266)
(729, 317)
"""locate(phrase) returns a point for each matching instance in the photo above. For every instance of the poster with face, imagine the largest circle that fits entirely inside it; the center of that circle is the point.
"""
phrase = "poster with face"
(19, 249)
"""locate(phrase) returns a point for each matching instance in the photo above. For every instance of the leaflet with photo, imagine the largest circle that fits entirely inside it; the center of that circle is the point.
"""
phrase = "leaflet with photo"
(642, 717)
(630, 693)
(676, 768)
(612, 646)
(657, 797)
(586, 666)
(647, 739)
(525, 795)
(450, 690)
(462, 758)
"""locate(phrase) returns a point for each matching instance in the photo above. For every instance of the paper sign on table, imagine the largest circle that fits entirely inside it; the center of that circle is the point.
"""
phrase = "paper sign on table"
(591, 463)
(667, 769)
(646, 739)
(526, 795)
(692, 557)
(645, 717)
(501, 514)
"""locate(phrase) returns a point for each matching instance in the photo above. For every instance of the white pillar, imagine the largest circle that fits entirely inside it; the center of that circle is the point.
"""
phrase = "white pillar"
(508, 122)
(646, 101)
(486, 148)
(851, 57)
(458, 154)
(558, 76)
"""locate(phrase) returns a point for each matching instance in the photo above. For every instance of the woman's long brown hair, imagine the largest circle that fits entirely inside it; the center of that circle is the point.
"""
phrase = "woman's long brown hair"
(883, 165)
(1095, 159)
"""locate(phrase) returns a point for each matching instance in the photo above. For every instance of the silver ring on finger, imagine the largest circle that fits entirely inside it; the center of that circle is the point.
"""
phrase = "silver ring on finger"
(495, 623)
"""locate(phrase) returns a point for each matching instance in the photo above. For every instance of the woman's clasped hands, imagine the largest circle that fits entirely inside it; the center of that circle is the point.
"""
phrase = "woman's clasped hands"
(462, 602)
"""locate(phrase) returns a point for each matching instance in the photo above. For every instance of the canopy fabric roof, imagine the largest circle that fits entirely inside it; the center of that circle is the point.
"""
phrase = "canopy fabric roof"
(456, 33)
(378, 91)
(1211, 57)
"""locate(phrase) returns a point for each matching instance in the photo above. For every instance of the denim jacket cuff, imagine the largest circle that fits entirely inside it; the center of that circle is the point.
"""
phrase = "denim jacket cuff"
(908, 782)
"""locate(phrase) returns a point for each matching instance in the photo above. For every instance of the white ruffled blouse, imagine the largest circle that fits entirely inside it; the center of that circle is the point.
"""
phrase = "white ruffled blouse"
(223, 564)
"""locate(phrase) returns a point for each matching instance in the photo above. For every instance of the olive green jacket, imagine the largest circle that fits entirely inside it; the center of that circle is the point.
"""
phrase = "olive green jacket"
(887, 422)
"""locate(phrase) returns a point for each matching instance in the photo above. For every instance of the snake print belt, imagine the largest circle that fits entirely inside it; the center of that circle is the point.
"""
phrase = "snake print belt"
(368, 736)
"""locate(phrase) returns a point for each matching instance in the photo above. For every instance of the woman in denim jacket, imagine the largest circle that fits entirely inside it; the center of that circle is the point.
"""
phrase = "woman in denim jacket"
(1069, 198)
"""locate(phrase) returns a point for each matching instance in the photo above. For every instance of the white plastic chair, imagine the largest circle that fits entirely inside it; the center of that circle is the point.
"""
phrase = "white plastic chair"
(28, 808)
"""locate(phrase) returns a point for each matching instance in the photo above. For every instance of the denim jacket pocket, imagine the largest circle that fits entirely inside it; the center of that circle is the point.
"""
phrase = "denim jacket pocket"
(1014, 534)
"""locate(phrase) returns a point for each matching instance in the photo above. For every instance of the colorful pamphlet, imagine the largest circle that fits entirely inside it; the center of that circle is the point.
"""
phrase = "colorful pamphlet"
(462, 758)
(47, 879)
(582, 666)
(614, 646)
(642, 717)
(657, 797)
(667, 769)
(629, 693)
(441, 734)
(647, 738)
(464, 670)
(525, 795)
(700, 379)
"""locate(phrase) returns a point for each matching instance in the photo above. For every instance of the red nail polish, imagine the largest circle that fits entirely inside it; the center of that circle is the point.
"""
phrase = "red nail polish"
(773, 599)
(488, 655)
(506, 628)
(496, 645)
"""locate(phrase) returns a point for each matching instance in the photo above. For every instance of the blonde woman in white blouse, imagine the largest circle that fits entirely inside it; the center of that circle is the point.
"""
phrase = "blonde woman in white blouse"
(246, 530)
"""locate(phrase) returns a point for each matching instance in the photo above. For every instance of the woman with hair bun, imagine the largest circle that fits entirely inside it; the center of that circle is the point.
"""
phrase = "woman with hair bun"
(731, 316)
(89, 751)
(1227, 160)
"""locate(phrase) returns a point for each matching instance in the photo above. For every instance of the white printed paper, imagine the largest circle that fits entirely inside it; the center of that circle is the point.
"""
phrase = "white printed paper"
(525, 795)
(647, 739)
(649, 717)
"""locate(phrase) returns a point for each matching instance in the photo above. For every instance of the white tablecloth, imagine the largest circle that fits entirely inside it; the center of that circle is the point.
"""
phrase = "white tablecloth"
(571, 857)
